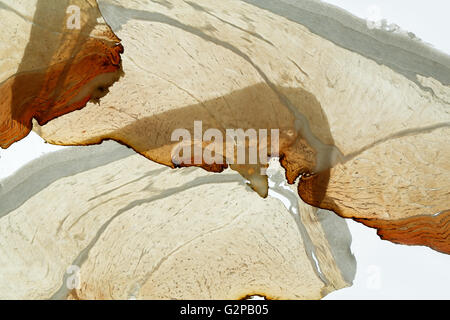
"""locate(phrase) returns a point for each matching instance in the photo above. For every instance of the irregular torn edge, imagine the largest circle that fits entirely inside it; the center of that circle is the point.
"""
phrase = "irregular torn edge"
(97, 156)
(431, 231)
(62, 87)
(423, 230)
(294, 173)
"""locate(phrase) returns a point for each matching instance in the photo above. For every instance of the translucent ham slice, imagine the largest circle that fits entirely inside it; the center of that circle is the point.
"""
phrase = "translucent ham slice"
(55, 56)
(364, 115)
(101, 222)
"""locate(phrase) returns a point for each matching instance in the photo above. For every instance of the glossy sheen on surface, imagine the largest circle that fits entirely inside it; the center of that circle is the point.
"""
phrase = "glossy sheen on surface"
(368, 139)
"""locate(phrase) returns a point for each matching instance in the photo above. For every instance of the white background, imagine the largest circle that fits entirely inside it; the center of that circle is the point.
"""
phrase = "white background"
(386, 270)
